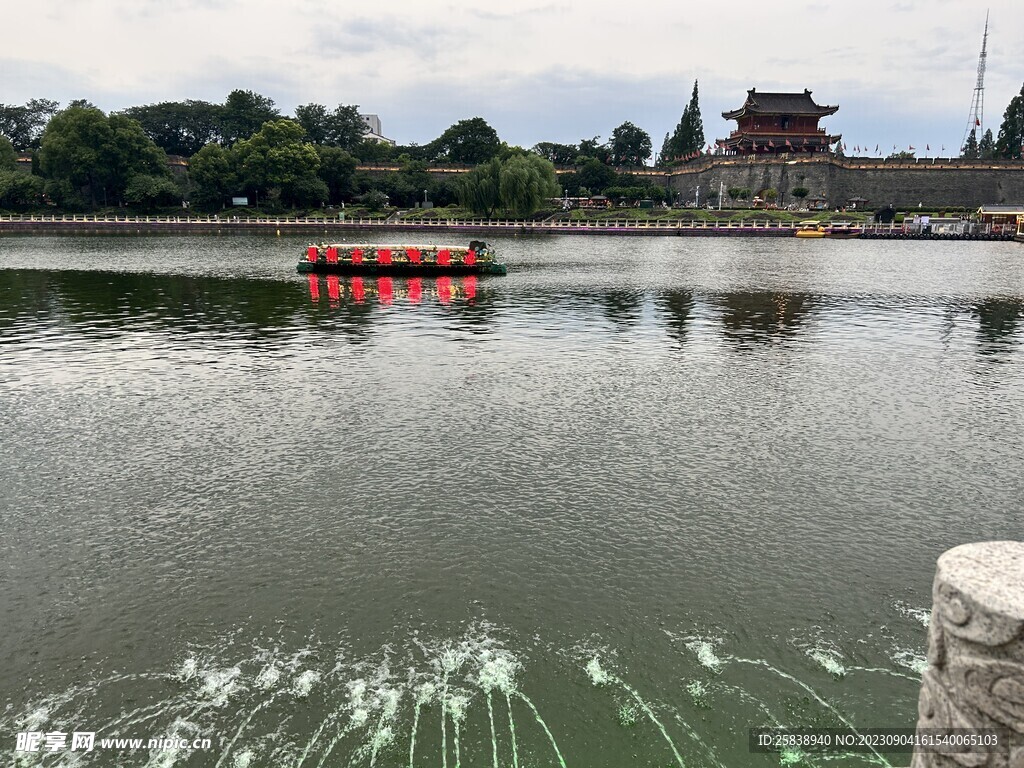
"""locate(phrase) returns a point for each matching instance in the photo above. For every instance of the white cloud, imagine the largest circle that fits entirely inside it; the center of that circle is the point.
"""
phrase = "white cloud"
(536, 69)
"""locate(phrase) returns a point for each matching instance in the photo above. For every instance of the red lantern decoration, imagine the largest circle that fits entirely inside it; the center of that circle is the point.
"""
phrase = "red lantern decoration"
(384, 256)
(415, 290)
(470, 258)
(385, 290)
(357, 256)
(312, 253)
(358, 289)
(314, 288)
(414, 255)
(333, 289)
(444, 257)
(332, 255)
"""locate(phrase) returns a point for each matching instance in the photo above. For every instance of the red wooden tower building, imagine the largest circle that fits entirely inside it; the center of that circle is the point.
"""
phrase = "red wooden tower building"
(773, 123)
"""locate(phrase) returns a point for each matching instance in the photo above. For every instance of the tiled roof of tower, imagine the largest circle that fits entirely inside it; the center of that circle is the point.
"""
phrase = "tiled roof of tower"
(780, 104)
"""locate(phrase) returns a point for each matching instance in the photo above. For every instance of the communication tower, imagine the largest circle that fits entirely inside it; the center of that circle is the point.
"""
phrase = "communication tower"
(976, 120)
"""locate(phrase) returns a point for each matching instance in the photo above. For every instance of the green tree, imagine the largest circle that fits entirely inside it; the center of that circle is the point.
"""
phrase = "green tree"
(798, 192)
(559, 154)
(337, 170)
(595, 175)
(213, 176)
(470, 141)
(969, 151)
(20, 190)
(24, 125)
(630, 145)
(341, 128)
(92, 154)
(276, 157)
(593, 148)
(1010, 144)
(518, 185)
(688, 137)
(244, 113)
(148, 192)
(8, 157)
(179, 127)
(373, 151)
(987, 146)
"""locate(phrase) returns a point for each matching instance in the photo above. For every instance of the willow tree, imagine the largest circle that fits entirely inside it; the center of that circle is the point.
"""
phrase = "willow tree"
(518, 185)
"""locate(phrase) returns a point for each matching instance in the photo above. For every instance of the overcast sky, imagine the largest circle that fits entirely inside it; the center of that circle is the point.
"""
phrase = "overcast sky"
(902, 71)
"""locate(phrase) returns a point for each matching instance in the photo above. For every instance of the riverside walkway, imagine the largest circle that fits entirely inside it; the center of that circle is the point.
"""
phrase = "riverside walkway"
(279, 225)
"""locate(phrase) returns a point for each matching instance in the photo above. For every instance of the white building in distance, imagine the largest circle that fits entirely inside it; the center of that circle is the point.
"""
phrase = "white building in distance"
(373, 130)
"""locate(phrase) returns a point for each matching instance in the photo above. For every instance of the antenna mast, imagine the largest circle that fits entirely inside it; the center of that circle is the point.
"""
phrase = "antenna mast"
(976, 120)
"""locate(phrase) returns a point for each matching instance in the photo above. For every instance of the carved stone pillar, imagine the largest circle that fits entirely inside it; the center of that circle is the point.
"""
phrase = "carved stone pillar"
(975, 677)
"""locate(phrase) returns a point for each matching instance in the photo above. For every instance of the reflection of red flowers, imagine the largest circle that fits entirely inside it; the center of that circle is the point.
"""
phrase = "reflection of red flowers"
(358, 290)
(415, 290)
(385, 290)
(469, 286)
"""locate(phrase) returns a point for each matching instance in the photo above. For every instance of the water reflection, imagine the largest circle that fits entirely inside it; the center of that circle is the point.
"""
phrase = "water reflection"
(678, 308)
(999, 325)
(764, 316)
(107, 304)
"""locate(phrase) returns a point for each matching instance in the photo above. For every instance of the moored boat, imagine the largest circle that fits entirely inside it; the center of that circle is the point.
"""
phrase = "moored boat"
(1019, 237)
(810, 229)
(401, 260)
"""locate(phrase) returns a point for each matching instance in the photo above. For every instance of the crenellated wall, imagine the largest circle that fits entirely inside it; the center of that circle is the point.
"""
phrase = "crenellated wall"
(948, 183)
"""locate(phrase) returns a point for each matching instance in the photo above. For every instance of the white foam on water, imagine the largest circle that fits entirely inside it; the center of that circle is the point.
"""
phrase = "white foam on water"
(268, 677)
(698, 691)
(304, 683)
(425, 692)
(912, 660)
(243, 759)
(218, 685)
(188, 669)
(498, 672)
(705, 653)
(922, 616)
(597, 675)
(829, 660)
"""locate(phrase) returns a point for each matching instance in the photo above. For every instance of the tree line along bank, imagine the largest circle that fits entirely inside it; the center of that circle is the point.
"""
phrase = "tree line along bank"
(84, 159)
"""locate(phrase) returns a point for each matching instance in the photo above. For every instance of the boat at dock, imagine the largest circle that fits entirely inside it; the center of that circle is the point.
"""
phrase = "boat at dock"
(839, 231)
(401, 260)
(1019, 237)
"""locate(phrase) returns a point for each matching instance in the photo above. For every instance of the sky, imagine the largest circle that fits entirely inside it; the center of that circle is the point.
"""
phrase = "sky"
(903, 72)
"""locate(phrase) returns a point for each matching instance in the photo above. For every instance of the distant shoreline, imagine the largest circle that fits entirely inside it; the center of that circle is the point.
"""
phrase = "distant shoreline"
(321, 229)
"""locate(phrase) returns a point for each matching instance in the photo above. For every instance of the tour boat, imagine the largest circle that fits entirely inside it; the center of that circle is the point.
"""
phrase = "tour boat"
(401, 260)
(810, 229)
(843, 231)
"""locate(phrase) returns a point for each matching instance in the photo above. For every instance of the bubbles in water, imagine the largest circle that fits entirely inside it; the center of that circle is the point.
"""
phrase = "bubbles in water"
(188, 669)
(597, 675)
(219, 684)
(921, 615)
(268, 677)
(498, 672)
(456, 704)
(915, 662)
(627, 715)
(243, 759)
(705, 654)
(828, 660)
(304, 683)
(698, 691)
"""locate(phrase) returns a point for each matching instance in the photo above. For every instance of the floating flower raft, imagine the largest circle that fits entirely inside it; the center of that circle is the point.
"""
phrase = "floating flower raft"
(401, 260)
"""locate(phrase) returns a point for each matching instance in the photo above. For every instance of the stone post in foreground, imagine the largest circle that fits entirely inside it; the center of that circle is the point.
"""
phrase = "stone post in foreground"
(975, 676)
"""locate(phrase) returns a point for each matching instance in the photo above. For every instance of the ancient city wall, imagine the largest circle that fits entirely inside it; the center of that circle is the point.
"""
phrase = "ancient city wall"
(949, 183)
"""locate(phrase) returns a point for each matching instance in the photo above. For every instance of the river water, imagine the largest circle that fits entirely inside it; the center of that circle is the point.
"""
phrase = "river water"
(614, 509)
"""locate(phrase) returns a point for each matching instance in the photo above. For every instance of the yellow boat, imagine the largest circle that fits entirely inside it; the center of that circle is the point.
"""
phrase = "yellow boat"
(810, 229)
